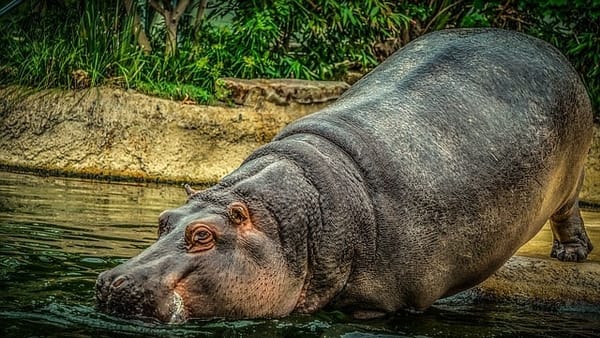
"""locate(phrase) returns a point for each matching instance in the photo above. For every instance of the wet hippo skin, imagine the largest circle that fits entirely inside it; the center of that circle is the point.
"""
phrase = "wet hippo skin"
(419, 182)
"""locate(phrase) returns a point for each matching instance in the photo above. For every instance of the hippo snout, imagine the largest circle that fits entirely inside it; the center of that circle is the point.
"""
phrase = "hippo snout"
(102, 286)
(108, 283)
(143, 288)
(118, 294)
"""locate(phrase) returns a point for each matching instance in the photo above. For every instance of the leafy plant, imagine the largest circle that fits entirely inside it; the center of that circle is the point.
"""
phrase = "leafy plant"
(123, 42)
(574, 27)
(301, 39)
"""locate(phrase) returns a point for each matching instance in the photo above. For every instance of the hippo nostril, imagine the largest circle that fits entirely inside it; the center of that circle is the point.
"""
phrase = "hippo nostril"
(118, 282)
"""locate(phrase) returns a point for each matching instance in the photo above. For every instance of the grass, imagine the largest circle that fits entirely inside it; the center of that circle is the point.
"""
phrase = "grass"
(98, 48)
(175, 91)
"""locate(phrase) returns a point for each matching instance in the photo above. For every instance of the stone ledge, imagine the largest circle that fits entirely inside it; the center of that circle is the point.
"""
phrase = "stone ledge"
(112, 132)
(590, 192)
(540, 282)
(281, 91)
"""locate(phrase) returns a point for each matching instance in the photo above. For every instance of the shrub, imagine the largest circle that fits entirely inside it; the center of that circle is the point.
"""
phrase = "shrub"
(574, 27)
(317, 39)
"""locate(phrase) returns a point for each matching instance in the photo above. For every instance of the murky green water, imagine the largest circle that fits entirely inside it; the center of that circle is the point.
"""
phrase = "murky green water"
(57, 234)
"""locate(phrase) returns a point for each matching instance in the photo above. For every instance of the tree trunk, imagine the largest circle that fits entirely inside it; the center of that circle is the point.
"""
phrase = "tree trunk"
(171, 36)
(171, 15)
(138, 29)
(199, 18)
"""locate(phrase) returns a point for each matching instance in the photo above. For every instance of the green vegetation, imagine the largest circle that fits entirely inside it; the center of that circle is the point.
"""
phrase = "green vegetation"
(178, 49)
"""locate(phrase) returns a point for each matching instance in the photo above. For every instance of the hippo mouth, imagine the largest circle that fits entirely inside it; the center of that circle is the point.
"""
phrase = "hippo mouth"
(177, 309)
(123, 299)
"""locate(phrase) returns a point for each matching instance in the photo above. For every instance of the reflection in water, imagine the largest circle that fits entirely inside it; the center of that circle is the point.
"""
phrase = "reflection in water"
(57, 235)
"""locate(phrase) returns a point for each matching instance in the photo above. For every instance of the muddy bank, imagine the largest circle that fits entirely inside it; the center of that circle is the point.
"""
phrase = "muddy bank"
(111, 132)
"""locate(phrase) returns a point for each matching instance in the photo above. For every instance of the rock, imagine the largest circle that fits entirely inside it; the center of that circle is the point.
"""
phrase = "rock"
(110, 132)
(548, 282)
(590, 193)
(280, 91)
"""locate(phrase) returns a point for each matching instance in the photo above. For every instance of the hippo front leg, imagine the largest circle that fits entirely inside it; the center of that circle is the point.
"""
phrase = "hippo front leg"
(571, 242)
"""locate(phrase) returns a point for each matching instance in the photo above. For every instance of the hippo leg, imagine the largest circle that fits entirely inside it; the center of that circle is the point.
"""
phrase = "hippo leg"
(571, 243)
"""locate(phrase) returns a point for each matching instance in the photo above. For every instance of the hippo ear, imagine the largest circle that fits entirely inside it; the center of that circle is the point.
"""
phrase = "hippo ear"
(238, 213)
(188, 190)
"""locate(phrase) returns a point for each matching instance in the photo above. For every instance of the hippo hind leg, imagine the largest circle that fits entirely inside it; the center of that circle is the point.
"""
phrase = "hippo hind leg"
(570, 241)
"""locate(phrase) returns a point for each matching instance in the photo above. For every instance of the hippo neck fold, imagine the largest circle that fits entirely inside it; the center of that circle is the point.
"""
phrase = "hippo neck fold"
(339, 223)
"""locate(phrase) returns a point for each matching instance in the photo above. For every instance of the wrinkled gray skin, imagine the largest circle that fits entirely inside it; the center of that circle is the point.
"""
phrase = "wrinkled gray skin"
(419, 182)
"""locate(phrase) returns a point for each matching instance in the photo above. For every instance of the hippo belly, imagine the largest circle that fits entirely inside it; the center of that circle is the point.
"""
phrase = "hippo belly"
(419, 182)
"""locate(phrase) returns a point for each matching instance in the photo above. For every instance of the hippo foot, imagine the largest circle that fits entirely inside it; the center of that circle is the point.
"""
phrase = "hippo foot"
(571, 252)
(571, 242)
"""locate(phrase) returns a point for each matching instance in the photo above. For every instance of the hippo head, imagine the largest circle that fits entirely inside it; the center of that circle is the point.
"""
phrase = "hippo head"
(216, 256)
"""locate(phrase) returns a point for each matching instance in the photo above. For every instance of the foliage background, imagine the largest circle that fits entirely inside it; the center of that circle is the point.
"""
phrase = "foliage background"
(82, 43)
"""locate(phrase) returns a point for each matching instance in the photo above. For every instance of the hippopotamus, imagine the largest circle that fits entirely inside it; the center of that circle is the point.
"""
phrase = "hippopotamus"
(420, 181)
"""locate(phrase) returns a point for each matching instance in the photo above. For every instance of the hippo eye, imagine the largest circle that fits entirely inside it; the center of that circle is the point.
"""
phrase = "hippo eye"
(202, 236)
(199, 238)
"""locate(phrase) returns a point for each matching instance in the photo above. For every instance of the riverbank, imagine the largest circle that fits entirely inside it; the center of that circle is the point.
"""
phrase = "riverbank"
(111, 133)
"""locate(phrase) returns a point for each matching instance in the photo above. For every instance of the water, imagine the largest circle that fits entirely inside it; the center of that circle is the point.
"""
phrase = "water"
(57, 235)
